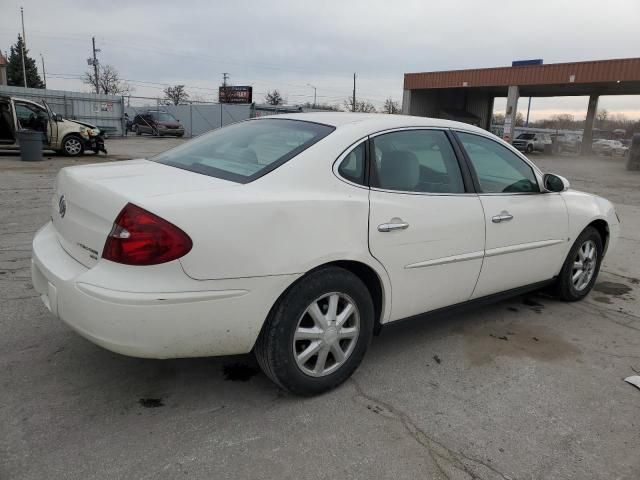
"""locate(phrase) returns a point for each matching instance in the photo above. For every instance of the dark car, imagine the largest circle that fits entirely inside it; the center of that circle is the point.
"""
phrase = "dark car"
(157, 123)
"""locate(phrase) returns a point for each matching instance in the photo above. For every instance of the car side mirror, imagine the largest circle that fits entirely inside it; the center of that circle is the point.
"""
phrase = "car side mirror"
(57, 117)
(554, 183)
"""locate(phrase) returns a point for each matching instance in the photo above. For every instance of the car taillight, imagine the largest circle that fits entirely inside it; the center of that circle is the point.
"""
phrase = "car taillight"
(139, 237)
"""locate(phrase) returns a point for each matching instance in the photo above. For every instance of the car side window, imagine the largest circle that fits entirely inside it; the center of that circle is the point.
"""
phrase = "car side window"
(31, 117)
(416, 161)
(498, 169)
(352, 166)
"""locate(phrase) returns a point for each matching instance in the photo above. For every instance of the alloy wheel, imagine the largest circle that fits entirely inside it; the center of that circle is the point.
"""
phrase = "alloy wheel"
(73, 146)
(584, 265)
(326, 334)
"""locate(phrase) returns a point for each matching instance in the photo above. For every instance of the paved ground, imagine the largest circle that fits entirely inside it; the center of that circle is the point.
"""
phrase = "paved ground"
(447, 398)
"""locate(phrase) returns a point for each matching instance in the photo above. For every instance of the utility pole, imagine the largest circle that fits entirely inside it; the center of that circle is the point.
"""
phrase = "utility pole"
(44, 72)
(225, 77)
(314, 94)
(95, 64)
(24, 49)
(353, 106)
(526, 123)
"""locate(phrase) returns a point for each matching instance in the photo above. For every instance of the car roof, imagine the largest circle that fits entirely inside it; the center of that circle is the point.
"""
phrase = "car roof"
(374, 121)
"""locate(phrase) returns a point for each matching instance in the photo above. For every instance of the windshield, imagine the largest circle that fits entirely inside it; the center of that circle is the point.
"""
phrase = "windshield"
(247, 150)
(526, 136)
(162, 117)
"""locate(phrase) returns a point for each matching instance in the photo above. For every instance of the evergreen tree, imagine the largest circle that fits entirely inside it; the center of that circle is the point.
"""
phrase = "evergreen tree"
(14, 68)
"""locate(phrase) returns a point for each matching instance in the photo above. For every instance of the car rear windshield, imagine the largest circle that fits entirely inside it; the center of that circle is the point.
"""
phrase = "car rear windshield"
(162, 117)
(247, 150)
(526, 136)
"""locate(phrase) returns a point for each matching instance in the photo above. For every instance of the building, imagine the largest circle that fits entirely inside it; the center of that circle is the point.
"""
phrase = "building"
(3, 69)
(468, 95)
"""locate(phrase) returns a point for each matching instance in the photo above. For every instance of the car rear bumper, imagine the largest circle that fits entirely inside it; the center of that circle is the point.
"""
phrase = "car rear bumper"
(207, 318)
(171, 131)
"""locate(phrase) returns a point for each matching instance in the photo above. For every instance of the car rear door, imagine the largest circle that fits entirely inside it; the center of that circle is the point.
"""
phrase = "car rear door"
(526, 230)
(425, 225)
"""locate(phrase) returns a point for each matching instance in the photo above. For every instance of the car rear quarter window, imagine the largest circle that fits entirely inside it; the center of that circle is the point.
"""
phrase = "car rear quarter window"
(247, 150)
(352, 166)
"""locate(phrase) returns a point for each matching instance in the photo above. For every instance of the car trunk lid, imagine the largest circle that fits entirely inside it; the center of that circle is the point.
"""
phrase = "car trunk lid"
(88, 198)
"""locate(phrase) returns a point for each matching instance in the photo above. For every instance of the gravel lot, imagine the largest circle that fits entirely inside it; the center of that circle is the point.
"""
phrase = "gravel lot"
(526, 388)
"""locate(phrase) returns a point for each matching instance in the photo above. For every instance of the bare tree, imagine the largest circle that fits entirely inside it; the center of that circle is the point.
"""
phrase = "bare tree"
(362, 106)
(108, 81)
(176, 94)
(391, 106)
(498, 119)
(322, 106)
(273, 98)
(601, 116)
(563, 121)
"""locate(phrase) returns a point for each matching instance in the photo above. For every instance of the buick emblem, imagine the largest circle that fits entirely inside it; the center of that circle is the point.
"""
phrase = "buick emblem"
(62, 206)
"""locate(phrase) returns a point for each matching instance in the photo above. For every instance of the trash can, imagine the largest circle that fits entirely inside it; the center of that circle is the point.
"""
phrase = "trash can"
(30, 145)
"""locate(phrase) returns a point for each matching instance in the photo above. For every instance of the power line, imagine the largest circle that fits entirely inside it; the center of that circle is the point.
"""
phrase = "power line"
(165, 52)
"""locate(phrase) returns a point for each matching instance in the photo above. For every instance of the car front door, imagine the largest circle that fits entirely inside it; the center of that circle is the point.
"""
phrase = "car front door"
(426, 226)
(33, 117)
(526, 229)
(53, 125)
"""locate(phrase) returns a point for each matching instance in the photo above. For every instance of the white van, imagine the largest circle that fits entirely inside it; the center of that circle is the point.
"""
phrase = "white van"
(68, 137)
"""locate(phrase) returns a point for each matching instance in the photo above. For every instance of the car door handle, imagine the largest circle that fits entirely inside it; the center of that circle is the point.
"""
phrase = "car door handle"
(503, 217)
(394, 224)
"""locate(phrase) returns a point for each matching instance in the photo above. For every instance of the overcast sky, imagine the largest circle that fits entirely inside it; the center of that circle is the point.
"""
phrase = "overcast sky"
(287, 44)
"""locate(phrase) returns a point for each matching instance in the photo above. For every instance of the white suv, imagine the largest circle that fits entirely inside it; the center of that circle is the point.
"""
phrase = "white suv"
(528, 142)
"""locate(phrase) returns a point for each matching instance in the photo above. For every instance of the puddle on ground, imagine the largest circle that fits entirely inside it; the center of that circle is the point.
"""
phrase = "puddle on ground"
(535, 306)
(603, 300)
(612, 288)
(238, 372)
(485, 343)
(151, 402)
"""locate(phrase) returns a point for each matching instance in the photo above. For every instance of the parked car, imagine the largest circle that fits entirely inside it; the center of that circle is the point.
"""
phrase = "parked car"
(529, 142)
(299, 237)
(65, 136)
(156, 122)
(609, 147)
(568, 142)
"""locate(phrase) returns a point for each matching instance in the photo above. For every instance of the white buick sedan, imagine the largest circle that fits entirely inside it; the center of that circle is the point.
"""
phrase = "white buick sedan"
(297, 237)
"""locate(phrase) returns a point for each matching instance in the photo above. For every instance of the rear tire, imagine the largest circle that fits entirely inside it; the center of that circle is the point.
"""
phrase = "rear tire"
(581, 267)
(136, 130)
(317, 333)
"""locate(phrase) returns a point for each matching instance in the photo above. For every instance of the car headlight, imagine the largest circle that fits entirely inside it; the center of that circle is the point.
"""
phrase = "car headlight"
(84, 131)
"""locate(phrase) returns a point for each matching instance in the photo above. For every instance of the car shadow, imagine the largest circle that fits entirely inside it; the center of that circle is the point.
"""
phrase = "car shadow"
(195, 382)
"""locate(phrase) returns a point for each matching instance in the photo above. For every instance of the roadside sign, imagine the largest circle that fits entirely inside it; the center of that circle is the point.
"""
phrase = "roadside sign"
(235, 94)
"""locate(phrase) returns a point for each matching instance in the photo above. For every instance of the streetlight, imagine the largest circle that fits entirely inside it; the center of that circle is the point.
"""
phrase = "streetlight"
(314, 94)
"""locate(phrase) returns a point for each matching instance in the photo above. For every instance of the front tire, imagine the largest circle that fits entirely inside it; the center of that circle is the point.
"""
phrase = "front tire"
(581, 267)
(529, 148)
(73, 146)
(318, 333)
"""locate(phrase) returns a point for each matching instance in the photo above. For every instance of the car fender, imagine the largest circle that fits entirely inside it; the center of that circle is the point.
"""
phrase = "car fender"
(585, 208)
